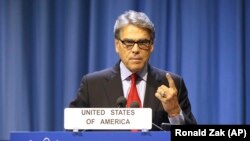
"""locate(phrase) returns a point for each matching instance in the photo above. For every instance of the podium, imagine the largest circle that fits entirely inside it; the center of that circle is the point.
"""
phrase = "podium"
(90, 136)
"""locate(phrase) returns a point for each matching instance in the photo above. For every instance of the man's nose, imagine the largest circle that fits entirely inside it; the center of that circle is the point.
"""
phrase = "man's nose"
(135, 47)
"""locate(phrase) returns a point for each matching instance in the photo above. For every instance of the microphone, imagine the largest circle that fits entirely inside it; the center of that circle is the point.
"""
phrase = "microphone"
(121, 102)
(135, 104)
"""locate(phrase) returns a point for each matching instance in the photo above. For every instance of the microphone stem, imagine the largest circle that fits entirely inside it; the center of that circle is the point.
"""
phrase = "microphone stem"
(158, 127)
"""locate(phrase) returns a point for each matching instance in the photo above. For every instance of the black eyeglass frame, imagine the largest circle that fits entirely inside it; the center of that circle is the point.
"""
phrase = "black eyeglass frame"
(142, 44)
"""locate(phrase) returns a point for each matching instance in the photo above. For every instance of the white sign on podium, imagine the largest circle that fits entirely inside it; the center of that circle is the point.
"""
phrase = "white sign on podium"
(107, 118)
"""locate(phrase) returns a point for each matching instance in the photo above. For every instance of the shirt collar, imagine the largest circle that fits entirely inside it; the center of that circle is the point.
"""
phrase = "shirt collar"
(125, 72)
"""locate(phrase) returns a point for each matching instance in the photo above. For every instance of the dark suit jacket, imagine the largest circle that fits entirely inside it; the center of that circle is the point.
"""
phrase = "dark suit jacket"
(102, 89)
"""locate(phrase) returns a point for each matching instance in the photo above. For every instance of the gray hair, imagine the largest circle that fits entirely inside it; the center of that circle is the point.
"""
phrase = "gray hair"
(135, 18)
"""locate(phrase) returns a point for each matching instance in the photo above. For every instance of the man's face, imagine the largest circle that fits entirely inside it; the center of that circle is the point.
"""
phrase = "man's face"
(134, 57)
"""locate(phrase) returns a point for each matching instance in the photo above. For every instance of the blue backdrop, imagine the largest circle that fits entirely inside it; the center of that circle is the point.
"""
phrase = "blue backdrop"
(47, 45)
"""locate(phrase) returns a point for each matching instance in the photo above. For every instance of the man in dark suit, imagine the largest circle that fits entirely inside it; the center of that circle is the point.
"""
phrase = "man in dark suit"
(163, 91)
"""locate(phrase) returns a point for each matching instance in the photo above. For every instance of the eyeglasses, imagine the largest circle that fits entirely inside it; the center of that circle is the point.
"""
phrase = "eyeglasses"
(142, 44)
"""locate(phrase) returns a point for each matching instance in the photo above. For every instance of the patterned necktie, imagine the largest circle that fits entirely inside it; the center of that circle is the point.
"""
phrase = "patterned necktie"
(133, 94)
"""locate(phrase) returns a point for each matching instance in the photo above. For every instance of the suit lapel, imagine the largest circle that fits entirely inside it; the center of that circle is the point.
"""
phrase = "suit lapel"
(153, 82)
(114, 86)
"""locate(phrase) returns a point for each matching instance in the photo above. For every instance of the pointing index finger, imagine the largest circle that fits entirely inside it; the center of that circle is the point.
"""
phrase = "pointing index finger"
(170, 80)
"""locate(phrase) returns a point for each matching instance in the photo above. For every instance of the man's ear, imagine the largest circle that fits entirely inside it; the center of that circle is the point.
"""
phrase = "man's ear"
(116, 42)
(152, 48)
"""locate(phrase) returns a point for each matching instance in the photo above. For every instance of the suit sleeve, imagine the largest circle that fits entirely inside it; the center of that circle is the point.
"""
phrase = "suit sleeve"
(185, 103)
(81, 99)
